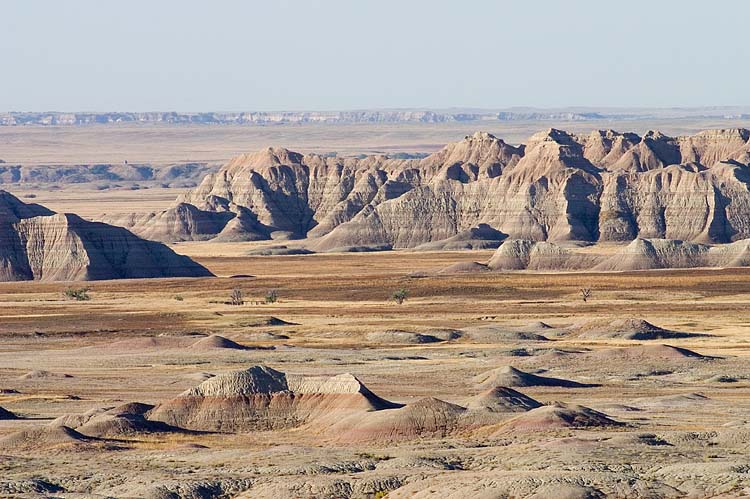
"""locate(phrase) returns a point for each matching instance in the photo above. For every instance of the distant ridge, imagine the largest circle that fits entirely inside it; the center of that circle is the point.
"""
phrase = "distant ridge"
(54, 118)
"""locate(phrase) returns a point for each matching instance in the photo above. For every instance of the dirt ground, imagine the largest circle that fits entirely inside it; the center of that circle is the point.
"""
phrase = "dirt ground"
(331, 303)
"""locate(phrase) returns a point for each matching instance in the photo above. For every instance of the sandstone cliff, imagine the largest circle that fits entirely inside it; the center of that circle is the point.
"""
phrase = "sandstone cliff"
(38, 244)
(604, 186)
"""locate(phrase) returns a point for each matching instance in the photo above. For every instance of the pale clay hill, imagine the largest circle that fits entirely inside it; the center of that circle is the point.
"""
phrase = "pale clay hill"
(338, 409)
(38, 244)
(639, 254)
(605, 186)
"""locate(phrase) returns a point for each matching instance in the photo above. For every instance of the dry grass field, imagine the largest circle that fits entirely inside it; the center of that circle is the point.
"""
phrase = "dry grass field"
(130, 342)
(159, 144)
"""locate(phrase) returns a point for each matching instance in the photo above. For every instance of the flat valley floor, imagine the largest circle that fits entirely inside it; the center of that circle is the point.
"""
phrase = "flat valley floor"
(686, 429)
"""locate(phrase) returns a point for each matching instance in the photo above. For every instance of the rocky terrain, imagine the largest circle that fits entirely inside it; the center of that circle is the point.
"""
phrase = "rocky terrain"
(600, 187)
(38, 244)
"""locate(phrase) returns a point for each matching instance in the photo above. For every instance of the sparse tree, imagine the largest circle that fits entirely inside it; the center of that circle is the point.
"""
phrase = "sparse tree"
(272, 296)
(77, 294)
(400, 296)
(236, 298)
(585, 294)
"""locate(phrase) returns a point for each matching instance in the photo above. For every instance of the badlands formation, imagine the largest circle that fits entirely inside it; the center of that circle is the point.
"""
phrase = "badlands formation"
(293, 375)
(557, 187)
(38, 244)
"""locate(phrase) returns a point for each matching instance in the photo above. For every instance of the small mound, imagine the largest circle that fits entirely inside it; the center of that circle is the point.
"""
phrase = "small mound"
(646, 254)
(628, 329)
(400, 337)
(119, 424)
(510, 376)
(537, 326)
(75, 420)
(216, 342)
(43, 437)
(266, 322)
(645, 352)
(444, 334)
(428, 417)
(678, 400)
(365, 248)
(280, 250)
(556, 416)
(6, 414)
(502, 399)
(266, 336)
(500, 334)
(132, 409)
(123, 420)
(464, 268)
(41, 374)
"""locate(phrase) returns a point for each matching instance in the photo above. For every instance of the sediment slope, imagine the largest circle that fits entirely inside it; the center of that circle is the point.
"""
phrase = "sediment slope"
(38, 244)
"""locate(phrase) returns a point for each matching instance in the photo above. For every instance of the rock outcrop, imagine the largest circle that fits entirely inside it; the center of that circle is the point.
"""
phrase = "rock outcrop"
(261, 398)
(605, 186)
(556, 416)
(38, 244)
(640, 254)
(510, 376)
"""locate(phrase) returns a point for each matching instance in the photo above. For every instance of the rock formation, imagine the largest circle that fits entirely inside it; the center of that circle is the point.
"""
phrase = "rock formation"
(640, 254)
(604, 186)
(502, 399)
(261, 398)
(510, 376)
(626, 329)
(38, 244)
(556, 416)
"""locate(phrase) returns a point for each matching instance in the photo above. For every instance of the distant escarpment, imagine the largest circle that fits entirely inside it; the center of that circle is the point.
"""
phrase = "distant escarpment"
(105, 175)
(39, 244)
(604, 186)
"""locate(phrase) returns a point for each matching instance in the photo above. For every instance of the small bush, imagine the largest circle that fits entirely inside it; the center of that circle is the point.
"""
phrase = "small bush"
(272, 296)
(400, 296)
(178, 297)
(77, 294)
(236, 298)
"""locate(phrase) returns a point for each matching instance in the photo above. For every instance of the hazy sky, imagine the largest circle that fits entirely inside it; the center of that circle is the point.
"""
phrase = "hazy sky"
(219, 55)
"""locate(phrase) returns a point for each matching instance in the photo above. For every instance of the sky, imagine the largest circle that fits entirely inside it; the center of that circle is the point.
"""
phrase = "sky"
(224, 55)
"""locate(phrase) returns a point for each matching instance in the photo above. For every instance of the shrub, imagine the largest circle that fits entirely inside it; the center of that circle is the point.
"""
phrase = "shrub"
(272, 296)
(178, 297)
(77, 294)
(400, 296)
(236, 298)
